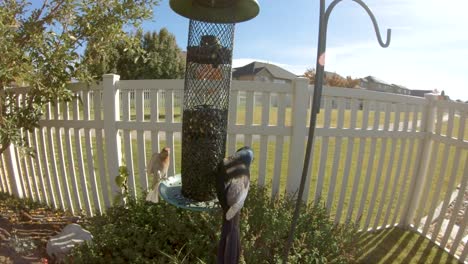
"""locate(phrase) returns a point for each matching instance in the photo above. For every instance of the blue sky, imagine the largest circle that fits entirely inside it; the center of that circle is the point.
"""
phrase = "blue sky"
(429, 48)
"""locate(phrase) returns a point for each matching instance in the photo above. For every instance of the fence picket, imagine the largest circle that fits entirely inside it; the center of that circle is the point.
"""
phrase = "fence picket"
(347, 167)
(232, 119)
(90, 156)
(406, 110)
(53, 164)
(379, 171)
(3, 176)
(452, 179)
(370, 164)
(169, 101)
(336, 156)
(458, 203)
(249, 111)
(279, 146)
(323, 151)
(441, 175)
(430, 173)
(141, 161)
(61, 159)
(100, 148)
(393, 143)
(154, 119)
(262, 163)
(460, 234)
(399, 108)
(71, 163)
(79, 156)
(25, 172)
(360, 161)
(127, 139)
(45, 159)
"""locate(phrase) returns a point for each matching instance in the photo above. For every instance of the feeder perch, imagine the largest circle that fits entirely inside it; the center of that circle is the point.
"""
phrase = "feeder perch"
(206, 96)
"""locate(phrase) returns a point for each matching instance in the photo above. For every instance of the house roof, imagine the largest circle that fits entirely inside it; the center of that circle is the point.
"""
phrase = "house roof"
(420, 92)
(375, 80)
(400, 86)
(255, 67)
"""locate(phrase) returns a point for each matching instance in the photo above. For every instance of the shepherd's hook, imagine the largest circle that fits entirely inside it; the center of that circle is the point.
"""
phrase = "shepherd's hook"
(320, 67)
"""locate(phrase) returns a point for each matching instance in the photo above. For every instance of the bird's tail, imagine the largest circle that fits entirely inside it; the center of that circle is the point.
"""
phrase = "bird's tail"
(153, 195)
(229, 245)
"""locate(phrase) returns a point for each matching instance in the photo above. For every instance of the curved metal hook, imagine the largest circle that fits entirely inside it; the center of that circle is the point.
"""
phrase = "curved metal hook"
(371, 15)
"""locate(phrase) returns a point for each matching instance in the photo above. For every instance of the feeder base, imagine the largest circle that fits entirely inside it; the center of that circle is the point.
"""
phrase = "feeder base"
(171, 191)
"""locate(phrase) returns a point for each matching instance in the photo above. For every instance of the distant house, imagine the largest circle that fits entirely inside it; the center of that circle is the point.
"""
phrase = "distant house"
(372, 83)
(399, 89)
(420, 93)
(265, 72)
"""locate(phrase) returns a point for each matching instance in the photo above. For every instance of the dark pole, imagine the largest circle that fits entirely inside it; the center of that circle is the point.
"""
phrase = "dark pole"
(313, 120)
(318, 85)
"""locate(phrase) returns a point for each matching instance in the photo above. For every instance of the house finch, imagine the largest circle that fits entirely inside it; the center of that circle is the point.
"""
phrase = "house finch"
(157, 166)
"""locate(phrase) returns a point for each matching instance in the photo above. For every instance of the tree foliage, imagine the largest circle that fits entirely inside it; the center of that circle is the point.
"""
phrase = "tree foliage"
(159, 58)
(333, 80)
(40, 47)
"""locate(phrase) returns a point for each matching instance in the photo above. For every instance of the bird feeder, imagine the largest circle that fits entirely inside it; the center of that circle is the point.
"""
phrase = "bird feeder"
(206, 89)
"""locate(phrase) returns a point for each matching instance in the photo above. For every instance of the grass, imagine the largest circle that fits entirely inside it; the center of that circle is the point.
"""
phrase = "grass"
(400, 246)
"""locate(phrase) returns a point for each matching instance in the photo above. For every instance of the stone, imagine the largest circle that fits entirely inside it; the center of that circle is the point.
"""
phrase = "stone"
(60, 245)
(25, 216)
(4, 235)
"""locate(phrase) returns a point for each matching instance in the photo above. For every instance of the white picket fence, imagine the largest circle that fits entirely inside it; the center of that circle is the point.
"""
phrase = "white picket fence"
(381, 160)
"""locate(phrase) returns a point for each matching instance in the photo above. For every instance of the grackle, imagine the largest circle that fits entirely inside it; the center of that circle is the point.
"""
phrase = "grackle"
(232, 186)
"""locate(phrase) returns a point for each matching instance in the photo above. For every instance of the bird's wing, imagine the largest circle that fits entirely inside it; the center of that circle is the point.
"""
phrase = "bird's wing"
(150, 166)
(236, 194)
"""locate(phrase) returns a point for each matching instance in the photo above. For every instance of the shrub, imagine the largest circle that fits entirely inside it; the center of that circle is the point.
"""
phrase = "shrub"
(144, 232)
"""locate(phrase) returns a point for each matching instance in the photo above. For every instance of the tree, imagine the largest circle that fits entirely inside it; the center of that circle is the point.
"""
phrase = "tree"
(160, 58)
(334, 80)
(351, 83)
(310, 74)
(40, 47)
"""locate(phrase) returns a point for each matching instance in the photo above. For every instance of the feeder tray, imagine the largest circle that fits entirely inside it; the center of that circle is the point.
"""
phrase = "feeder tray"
(171, 191)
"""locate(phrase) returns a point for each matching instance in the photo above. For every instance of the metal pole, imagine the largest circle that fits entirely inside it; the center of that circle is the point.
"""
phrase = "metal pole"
(313, 120)
(318, 85)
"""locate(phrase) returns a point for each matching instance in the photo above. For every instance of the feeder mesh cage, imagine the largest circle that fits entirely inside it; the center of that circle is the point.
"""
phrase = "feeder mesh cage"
(206, 102)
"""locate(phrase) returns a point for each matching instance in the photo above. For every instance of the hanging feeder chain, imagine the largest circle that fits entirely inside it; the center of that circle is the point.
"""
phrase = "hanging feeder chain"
(320, 67)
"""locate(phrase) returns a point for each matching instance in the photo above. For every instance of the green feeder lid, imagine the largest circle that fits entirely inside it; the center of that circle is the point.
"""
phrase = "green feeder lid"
(171, 191)
(216, 11)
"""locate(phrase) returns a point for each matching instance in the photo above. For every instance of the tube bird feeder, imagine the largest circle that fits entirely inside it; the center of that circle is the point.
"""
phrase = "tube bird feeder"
(206, 89)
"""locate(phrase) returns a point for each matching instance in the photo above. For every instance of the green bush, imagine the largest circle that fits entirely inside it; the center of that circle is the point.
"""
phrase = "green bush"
(143, 232)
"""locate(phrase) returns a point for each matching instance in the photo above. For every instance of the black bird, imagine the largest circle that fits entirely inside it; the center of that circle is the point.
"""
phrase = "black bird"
(232, 186)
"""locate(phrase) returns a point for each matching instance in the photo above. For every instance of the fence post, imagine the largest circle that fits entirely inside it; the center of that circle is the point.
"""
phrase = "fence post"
(415, 191)
(13, 171)
(111, 104)
(299, 108)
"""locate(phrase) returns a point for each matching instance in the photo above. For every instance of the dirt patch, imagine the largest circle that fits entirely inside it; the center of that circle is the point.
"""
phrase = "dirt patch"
(24, 232)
